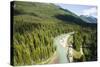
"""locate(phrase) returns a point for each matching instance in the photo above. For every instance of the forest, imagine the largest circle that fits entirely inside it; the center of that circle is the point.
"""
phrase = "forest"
(35, 25)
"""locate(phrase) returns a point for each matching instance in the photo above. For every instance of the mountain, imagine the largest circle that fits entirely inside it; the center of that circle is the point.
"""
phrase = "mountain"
(88, 19)
(44, 12)
(47, 12)
(35, 25)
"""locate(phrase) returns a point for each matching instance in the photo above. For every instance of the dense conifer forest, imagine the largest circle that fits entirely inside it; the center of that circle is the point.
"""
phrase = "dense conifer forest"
(35, 25)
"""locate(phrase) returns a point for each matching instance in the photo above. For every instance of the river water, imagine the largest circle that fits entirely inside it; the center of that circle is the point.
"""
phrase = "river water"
(62, 50)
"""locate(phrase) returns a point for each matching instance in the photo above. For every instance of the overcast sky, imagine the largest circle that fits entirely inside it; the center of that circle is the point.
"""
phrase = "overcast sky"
(81, 9)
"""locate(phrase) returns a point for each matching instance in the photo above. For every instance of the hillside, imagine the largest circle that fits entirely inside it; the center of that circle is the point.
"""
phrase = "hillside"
(35, 25)
(45, 11)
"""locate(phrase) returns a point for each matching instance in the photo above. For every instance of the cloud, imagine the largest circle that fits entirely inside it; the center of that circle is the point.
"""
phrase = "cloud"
(90, 12)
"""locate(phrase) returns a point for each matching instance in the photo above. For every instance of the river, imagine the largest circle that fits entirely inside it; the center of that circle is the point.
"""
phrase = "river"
(62, 47)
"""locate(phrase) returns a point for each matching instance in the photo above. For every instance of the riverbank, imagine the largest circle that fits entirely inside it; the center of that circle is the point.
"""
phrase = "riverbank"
(49, 60)
(59, 56)
(55, 59)
(61, 42)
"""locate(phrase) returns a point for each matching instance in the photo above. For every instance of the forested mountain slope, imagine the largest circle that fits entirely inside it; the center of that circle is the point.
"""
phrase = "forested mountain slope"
(36, 24)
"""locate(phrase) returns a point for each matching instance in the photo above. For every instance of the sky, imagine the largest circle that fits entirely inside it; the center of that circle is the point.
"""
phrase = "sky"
(81, 9)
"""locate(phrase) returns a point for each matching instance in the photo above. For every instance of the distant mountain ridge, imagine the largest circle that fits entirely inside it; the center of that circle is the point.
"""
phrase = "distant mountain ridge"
(88, 19)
